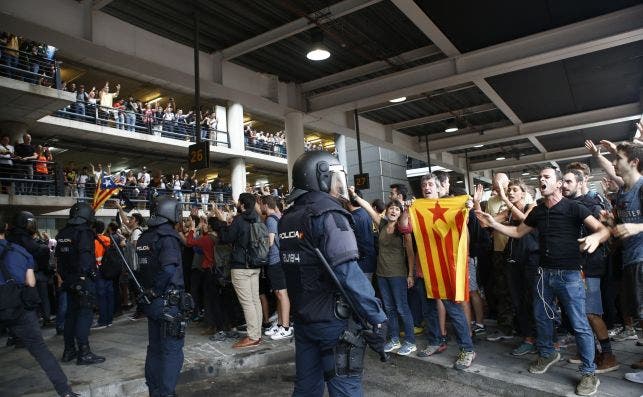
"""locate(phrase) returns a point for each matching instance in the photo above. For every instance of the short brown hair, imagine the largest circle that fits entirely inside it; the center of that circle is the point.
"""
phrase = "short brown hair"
(582, 167)
(270, 201)
(632, 152)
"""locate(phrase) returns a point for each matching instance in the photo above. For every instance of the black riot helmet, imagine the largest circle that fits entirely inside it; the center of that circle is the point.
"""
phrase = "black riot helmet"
(81, 213)
(25, 220)
(318, 171)
(165, 209)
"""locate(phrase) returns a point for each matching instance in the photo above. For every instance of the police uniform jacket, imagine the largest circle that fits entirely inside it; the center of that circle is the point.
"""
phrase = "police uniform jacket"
(317, 220)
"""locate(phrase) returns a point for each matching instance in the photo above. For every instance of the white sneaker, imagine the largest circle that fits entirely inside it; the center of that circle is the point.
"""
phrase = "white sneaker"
(272, 330)
(636, 377)
(282, 333)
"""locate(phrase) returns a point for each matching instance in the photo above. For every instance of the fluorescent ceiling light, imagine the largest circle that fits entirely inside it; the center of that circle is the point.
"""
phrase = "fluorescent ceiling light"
(396, 100)
(525, 173)
(500, 158)
(452, 126)
(533, 178)
(480, 145)
(318, 53)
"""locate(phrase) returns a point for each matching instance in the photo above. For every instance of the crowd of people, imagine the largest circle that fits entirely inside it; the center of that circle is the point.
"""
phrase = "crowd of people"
(524, 264)
(264, 142)
(143, 185)
(105, 106)
(27, 60)
(25, 168)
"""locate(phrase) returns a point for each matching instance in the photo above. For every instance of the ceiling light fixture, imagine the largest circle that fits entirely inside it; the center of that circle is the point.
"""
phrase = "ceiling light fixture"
(525, 173)
(318, 51)
(500, 158)
(397, 100)
(452, 126)
(533, 178)
(480, 145)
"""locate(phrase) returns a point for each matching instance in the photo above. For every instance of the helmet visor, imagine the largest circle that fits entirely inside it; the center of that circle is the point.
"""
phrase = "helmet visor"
(338, 185)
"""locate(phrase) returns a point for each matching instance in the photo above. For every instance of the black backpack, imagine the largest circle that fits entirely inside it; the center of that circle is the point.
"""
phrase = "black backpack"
(11, 306)
(258, 245)
(112, 264)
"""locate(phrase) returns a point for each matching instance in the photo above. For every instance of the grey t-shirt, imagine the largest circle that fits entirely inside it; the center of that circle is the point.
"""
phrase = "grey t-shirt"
(272, 223)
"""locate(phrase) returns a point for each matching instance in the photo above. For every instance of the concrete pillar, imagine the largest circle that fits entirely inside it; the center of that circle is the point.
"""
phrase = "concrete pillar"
(340, 148)
(14, 130)
(235, 127)
(238, 177)
(294, 139)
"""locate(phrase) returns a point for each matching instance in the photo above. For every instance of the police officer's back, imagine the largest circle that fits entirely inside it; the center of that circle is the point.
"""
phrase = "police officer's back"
(17, 267)
(318, 220)
(167, 306)
(77, 268)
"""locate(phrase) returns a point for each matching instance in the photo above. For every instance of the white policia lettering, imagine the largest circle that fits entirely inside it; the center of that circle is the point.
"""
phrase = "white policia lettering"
(291, 234)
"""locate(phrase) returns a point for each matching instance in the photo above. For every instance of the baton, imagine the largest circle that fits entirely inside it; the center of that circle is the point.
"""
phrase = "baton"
(130, 271)
(333, 276)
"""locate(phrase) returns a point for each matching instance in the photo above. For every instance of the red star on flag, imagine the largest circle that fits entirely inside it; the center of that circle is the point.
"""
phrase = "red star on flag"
(438, 212)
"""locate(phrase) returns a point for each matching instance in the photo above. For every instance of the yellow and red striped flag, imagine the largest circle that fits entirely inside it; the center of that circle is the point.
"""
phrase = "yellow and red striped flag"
(104, 191)
(442, 238)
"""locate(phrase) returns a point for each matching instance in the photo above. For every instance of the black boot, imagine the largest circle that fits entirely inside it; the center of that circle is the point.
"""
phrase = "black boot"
(86, 357)
(69, 354)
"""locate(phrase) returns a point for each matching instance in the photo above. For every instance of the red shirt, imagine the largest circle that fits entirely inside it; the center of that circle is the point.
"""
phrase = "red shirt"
(206, 243)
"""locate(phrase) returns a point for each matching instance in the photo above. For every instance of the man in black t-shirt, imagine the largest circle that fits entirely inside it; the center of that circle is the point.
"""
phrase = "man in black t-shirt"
(25, 155)
(559, 222)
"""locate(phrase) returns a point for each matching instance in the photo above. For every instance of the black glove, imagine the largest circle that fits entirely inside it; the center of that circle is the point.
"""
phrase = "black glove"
(147, 296)
(376, 338)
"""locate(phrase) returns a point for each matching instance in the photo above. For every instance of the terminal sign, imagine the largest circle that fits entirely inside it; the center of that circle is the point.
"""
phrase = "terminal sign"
(362, 182)
(199, 155)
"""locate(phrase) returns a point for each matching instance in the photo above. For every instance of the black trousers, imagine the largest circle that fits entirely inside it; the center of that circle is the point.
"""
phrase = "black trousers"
(27, 329)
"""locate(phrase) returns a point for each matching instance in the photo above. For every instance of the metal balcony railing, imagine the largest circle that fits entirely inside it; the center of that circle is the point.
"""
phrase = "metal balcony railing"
(177, 128)
(30, 67)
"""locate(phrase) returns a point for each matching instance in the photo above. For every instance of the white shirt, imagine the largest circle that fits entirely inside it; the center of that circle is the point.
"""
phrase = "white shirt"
(5, 154)
(143, 179)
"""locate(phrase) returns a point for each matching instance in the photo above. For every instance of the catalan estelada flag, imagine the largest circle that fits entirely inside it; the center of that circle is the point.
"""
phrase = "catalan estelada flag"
(442, 239)
(104, 191)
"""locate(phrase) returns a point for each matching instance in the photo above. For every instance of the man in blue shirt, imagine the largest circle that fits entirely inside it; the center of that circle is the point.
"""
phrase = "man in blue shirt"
(628, 209)
(20, 264)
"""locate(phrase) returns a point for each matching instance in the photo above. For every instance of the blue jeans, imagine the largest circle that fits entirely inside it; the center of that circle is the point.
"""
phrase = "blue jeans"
(105, 295)
(459, 321)
(419, 303)
(164, 353)
(395, 300)
(569, 288)
(312, 342)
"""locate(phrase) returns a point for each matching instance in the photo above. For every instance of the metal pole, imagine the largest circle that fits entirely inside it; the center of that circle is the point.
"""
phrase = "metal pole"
(428, 153)
(467, 176)
(197, 88)
(359, 144)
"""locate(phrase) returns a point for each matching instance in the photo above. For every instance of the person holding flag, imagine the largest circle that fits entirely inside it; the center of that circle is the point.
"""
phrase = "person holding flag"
(439, 226)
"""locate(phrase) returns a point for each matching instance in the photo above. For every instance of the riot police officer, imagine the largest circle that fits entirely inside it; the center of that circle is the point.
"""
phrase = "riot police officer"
(77, 268)
(317, 220)
(168, 306)
(22, 231)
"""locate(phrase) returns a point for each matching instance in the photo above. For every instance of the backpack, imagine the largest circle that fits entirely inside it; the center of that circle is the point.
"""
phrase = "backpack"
(258, 246)
(11, 306)
(112, 264)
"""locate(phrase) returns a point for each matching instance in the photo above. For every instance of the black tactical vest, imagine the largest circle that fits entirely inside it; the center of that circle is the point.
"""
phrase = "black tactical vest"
(310, 288)
(67, 242)
(148, 251)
